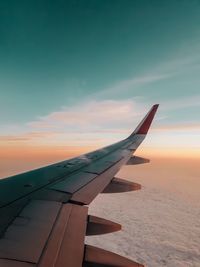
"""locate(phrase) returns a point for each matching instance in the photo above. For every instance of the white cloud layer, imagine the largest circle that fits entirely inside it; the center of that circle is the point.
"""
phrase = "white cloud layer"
(160, 228)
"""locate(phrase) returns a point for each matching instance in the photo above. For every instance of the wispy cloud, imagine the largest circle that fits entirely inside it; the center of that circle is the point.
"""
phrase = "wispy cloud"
(28, 136)
(94, 115)
(95, 121)
(108, 119)
(168, 69)
(179, 127)
(124, 86)
(181, 103)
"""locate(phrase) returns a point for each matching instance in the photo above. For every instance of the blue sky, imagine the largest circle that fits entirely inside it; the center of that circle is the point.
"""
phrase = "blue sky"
(109, 59)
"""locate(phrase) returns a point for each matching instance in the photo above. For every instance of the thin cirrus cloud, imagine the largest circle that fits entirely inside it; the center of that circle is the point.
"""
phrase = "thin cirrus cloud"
(91, 115)
(116, 117)
(129, 84)
(98, 123)
(27, 137)
(179, 127)
(101, 120)
(109, 115)
(163, 71)
(91, 123)
(181, 103)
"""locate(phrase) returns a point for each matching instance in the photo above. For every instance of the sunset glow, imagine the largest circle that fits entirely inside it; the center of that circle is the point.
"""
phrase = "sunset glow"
(77, 76)
(81, 87)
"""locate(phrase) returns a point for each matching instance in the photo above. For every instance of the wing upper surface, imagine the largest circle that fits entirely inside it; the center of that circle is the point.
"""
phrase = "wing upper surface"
(41, 210)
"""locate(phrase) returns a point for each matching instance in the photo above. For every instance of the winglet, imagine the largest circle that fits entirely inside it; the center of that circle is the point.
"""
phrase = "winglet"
(145, 124)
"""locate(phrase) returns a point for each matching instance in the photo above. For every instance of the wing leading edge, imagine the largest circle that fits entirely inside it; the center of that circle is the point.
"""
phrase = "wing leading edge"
(42, 210)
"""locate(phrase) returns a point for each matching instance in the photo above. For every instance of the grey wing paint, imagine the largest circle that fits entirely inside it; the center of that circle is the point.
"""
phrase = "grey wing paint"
(44, 217)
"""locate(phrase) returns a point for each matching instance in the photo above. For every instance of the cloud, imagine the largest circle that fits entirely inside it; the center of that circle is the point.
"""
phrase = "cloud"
(112, 119)
(13, 138)
(181, 103)
(92, 115)
(112, 116)
(123, 86)
(178, 127)
(176, 66)
(27, 136)
(103, 122)
(160, 223)
(108, 120)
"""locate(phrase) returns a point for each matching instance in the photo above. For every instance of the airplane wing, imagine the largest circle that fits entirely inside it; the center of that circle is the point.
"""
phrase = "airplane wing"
(44, 215)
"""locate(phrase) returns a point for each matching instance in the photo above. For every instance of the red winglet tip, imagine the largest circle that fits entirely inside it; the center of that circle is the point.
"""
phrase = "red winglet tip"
(156, 106)
(145, 124)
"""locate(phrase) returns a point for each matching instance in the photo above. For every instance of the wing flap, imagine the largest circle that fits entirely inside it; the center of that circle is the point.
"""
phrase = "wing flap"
(74, 182)
(26, 237)
(46, 233)
(13, 263)
(66, 243)
(86, 194)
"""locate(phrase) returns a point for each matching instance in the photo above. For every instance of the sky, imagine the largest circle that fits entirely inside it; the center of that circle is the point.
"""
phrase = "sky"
(79, 75)
(82, 74)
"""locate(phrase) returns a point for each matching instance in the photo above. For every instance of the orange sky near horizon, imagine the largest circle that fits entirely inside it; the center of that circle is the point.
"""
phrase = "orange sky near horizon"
(15, 159)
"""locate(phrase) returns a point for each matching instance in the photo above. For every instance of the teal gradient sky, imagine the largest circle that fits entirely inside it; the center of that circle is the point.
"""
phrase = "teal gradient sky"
(75, 58)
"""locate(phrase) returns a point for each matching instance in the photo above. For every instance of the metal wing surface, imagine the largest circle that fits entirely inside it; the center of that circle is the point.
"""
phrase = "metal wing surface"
(44, 215)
